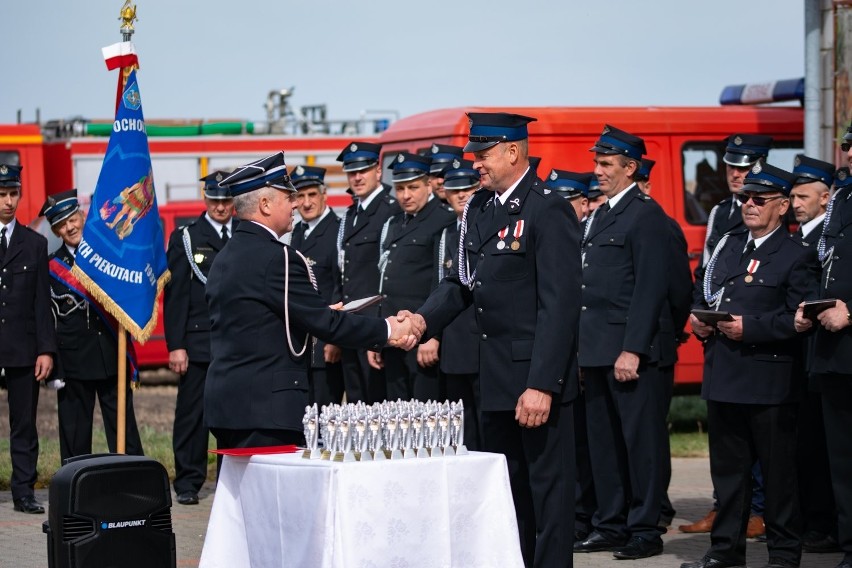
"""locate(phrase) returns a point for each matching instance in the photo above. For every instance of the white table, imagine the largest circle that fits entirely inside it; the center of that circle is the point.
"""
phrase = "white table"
(282, 510)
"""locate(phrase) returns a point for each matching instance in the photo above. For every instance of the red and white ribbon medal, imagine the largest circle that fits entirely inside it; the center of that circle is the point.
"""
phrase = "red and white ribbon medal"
(519, 230)
(751, 269)
(502, 235)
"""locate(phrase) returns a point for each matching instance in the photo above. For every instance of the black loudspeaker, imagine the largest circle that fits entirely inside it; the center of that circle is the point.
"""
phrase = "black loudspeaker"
(110, 510)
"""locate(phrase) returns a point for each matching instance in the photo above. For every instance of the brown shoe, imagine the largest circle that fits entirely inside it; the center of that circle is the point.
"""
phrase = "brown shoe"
(756, 527)
(702, 526)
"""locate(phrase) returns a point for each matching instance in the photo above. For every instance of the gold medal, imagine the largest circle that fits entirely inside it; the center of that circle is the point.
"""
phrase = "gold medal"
(515, 245)
(749, 278)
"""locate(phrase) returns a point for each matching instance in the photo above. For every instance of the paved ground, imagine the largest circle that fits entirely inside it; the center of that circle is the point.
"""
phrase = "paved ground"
(22, 544)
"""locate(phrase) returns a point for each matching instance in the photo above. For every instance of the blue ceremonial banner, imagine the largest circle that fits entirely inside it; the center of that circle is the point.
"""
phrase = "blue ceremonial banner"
(121, 259)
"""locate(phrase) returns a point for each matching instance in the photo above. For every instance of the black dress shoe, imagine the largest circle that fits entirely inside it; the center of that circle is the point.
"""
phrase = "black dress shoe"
(780, 564)
(29, 505)
(596, 543)
(187, 498)
(817, 542)
(709, 562)
(638, 548)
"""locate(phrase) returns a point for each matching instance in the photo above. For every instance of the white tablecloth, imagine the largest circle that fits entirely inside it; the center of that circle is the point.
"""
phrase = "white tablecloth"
(282, 510)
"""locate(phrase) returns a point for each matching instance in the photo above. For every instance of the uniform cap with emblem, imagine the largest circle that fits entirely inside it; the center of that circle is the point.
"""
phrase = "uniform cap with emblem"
(10, 176)
(594, 186)
(847, 137)
(407, 166)
(359, 156)
(307, 176)
(809, 170)
(764, 178)
(644, 171)
(460, 175)
(614, 141)
(488, 129)
(569, 184)
(743, 150)
(842, 178)
(212, 189)
(442, 157)
(60, 206)
(267, 172)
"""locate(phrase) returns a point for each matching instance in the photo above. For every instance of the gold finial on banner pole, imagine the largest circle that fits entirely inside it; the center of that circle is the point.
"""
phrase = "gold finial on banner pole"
(127, 17)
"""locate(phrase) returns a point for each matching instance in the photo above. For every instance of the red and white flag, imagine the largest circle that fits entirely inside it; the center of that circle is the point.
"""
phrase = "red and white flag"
(121, 54)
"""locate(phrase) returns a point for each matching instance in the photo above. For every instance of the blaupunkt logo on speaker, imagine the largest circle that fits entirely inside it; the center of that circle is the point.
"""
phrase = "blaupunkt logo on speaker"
(122, 524)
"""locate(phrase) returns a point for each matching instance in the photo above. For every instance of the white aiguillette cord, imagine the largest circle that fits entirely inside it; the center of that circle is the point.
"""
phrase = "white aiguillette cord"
(287, 300)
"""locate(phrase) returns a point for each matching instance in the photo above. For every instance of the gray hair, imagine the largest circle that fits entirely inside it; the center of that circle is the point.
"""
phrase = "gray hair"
(246, 204)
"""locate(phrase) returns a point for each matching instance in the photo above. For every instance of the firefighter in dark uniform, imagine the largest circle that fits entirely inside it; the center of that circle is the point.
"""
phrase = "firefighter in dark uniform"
(742, 151)
(758, 276)
(358, 255)
(830, 361)
(574, 187)
(88, 344)
(808, 201)
(442, 156)
(459, 353)
(408, 243)
(679, 301)
(190, 253)
(519, 267)
(315, 236)
(27, 335)
(623, 351)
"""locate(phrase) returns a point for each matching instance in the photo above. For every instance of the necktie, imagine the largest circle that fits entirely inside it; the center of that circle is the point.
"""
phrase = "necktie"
(749, 248)
(605, 208)
(299, 234)
(4, 244)
(358, 211)
(225, 236)
(406, 218)
(800, 234)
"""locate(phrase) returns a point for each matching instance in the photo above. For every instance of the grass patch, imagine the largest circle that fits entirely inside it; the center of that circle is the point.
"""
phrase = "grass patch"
(156, 444)
(689, 444)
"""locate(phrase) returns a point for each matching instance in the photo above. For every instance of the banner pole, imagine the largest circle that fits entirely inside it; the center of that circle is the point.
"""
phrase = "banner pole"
(121, 414)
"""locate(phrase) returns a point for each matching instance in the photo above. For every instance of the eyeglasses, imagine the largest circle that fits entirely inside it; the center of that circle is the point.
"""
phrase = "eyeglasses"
(845, 146)
(744, 198)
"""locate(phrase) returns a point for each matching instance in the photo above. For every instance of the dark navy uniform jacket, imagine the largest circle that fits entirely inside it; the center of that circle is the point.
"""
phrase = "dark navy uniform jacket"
(254, 382)
(26, 324)
(759, 369)
(832, 352)
(88, 349)
(320, 248)
(360, 277)
(718, 225)
(185, 315)
(525, 299)
(410, 273)
(626, 283)
(460, 339)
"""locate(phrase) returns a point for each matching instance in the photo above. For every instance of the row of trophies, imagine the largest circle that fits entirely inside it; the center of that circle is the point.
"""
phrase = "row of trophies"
(385, 430)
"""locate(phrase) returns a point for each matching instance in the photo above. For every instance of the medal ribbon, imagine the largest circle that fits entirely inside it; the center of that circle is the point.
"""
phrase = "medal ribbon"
(503, 232)
(61, 272)
(752, 266)
(519, 229)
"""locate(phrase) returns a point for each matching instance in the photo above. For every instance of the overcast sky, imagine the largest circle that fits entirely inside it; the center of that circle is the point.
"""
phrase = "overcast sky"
(219, 59)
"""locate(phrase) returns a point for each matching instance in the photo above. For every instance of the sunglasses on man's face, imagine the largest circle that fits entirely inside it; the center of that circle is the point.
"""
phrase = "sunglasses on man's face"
(744, 198)
(845, 146)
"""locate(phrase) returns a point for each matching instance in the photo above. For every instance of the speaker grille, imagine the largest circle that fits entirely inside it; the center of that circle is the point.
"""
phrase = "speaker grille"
(75, 527)
(161, 521)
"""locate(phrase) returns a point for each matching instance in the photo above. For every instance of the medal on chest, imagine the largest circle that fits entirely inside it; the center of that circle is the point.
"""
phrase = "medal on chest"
(752, 268)
(519, 230)
(501, 244)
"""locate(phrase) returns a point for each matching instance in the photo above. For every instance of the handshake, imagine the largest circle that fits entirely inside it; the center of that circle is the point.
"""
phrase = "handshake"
(406, 330)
